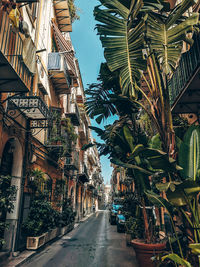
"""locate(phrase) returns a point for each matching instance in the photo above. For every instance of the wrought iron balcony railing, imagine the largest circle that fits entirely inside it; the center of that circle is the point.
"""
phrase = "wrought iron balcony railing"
(14, 75)
(72, 163)
(185, 72)
(58, 72)
(83, 175)
(32, 107)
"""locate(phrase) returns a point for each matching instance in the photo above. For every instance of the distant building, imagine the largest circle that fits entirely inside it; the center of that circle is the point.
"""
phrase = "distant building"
(107, 191)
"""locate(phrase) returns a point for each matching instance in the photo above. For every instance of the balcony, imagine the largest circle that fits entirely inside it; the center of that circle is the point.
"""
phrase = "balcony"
(184, 84)
(72, 163)
(74, 114)
(32, 107)
(91, 184)
(14, 75)
(82, 133)
(55, 151)
(97, 177)
(83, 175)
(58, 73)
(62, 14)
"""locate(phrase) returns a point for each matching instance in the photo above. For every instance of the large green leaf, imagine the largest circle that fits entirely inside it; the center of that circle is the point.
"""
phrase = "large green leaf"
(189, 153)
(99, 131)
(128, 137)
(163, 162)
(122, 46)
(167, 33)
(130, 166)
(86, 146)
(183, 192)
(177, 259)
(158, 201)
(195, 248)
(99, 94)
(155, 142)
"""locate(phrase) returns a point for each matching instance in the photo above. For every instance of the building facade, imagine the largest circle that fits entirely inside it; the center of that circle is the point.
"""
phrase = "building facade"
(43, 123)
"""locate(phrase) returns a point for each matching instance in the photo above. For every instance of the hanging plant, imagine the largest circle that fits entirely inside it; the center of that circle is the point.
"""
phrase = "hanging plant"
(70, 130)
(73, 10)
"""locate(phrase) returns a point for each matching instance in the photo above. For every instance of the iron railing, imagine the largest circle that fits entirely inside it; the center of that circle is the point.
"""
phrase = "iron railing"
(188, 64)
(72, 163)
(32, 106)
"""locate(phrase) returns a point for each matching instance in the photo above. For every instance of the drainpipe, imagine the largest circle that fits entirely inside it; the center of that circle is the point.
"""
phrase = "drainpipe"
(21, 204)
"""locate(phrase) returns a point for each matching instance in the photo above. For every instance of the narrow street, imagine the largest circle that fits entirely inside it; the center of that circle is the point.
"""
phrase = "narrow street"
(93, 243)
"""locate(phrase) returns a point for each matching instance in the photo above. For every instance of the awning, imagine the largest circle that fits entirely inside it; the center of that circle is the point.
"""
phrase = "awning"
(65, 46)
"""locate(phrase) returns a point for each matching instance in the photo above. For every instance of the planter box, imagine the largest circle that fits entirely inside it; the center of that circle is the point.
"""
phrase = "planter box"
(35, 242)
(66, 229)
(51, 235)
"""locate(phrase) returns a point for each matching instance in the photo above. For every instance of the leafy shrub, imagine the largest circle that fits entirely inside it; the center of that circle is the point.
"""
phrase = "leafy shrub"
(7, 194)
(135, 226)
(42, 218)
(68, 215)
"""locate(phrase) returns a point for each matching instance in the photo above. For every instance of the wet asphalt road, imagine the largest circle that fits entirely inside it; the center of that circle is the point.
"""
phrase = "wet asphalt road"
(94, 243)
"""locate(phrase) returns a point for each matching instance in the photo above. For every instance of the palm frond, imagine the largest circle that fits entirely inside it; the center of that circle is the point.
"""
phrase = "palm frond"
(122, 46)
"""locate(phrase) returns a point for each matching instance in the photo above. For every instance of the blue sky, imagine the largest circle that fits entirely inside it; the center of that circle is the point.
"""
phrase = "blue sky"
(90, 55)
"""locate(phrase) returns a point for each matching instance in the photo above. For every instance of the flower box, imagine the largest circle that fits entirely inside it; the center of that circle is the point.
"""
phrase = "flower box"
(35, 242)
(51, 234)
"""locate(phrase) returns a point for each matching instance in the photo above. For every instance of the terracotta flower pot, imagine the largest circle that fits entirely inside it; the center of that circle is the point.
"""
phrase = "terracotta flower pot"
(144, 251)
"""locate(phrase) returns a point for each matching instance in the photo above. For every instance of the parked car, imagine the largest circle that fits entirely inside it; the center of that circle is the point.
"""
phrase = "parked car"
(120, 221)
(113, 213)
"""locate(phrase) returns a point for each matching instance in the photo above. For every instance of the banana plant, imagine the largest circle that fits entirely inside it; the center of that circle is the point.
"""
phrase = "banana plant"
(183, 196)
(189, 153)
(146, 35)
